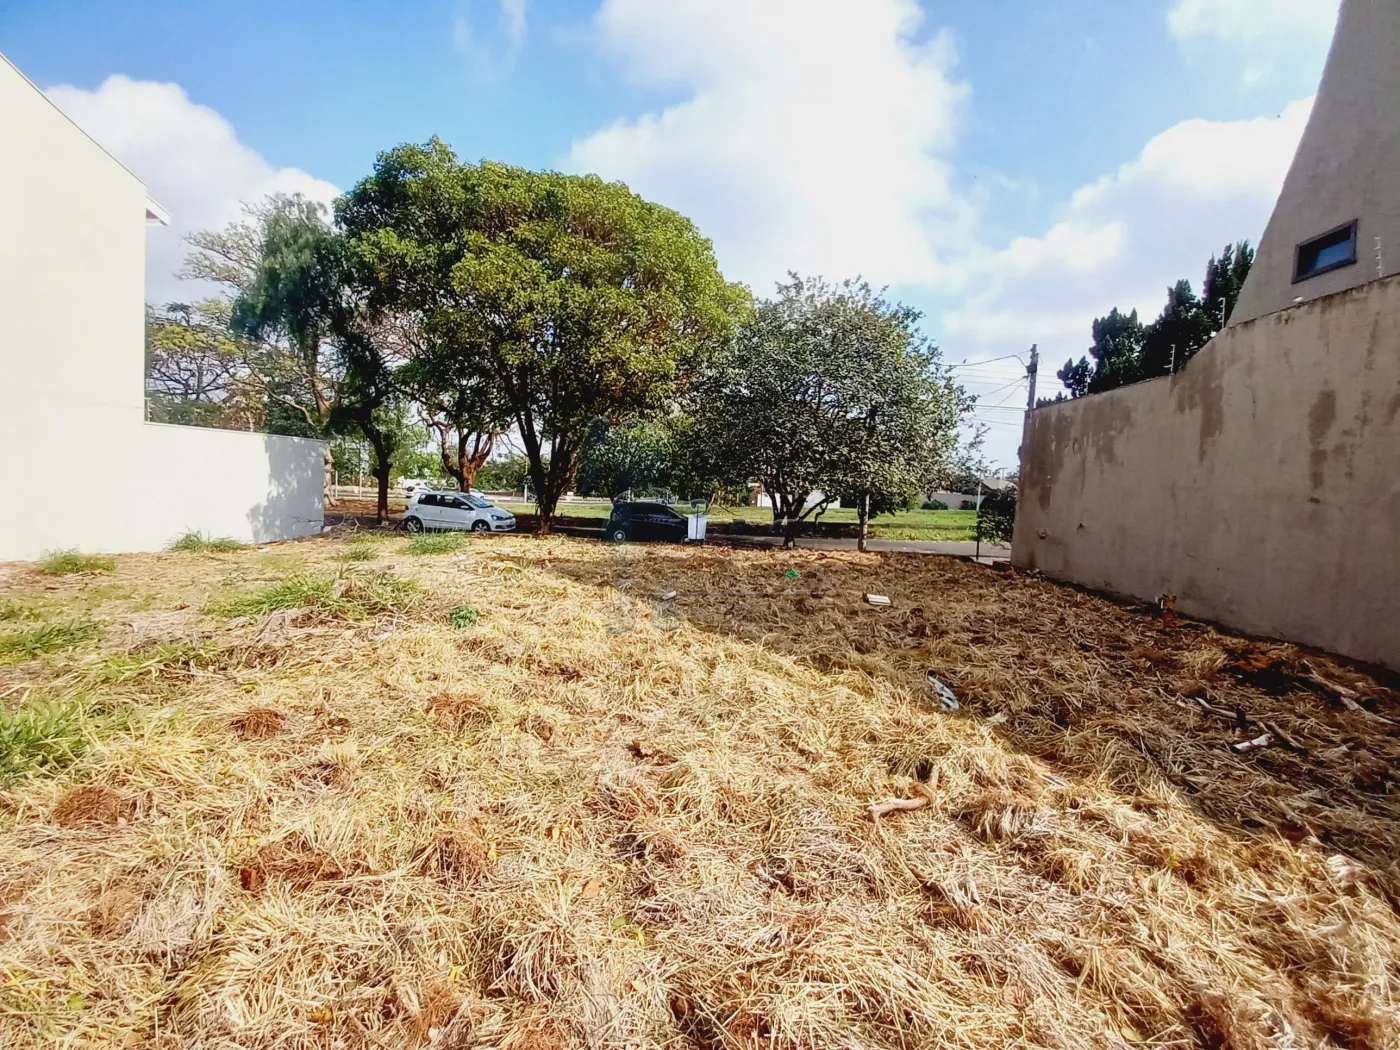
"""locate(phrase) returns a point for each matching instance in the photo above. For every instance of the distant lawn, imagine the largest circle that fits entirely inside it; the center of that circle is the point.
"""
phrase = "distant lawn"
(902, 525)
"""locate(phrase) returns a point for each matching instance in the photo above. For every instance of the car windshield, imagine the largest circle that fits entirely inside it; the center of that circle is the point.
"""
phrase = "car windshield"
(476, 502)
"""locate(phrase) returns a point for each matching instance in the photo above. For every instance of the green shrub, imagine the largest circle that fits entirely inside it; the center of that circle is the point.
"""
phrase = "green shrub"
(352, 595)
(969, 504)
(69, 563)
(197, 543)
(42, 736)
(997, 518)
(436, 542)
(935, 504)
(29, 642)
(465, 615)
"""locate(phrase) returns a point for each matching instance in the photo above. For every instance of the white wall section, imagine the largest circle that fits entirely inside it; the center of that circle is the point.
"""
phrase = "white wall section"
(79, 467)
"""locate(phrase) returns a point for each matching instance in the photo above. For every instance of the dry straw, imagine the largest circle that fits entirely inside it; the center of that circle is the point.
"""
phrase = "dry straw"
(593, 818)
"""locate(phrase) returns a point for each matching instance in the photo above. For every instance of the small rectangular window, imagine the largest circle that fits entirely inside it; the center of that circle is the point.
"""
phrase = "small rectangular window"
(1334, 249)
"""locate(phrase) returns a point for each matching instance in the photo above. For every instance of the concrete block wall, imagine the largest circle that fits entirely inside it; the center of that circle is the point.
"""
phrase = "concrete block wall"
(1260, 485)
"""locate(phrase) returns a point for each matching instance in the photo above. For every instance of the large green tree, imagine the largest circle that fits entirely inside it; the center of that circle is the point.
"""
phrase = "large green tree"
(583, 299)
(828, 392)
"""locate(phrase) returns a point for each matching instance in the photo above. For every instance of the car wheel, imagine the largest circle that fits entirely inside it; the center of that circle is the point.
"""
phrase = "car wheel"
(481, 526)
(617, 534)
(412, 524)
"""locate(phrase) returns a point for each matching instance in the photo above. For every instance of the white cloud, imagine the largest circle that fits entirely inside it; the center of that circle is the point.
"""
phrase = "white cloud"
(1264, 34)
(812, 134)
(491, 52)
(190, 159)
(1120, 241)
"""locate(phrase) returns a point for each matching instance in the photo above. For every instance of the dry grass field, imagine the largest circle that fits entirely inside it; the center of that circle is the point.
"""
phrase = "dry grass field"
(509, 792)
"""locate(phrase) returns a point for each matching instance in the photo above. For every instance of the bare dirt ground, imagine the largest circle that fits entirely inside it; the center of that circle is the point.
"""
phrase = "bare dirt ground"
(566, 794)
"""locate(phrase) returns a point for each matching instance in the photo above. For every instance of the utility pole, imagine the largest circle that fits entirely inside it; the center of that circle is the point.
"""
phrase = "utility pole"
(1030, 376)
(978, 556)
(1380, 260)
(1172, 367)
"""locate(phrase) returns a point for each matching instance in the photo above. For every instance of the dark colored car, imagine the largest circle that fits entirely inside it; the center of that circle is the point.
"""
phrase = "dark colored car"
(645, 521)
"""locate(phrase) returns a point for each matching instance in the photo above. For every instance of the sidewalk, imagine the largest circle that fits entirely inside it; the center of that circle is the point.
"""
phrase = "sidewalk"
(991, 552)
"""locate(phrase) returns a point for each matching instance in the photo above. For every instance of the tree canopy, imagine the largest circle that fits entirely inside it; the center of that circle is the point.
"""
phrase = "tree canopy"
(829, 391)
(1127, 351)
(582, 299)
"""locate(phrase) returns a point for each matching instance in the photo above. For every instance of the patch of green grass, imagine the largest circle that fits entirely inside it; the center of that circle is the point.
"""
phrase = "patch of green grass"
(198, 543)
(29, 642)
(465, 615)
(69, 563)
(375, 535)
(303, 590)
(42, 736)
(359, 551)
(436, 542)
(352, 595)
(151, 660)
(12, 612)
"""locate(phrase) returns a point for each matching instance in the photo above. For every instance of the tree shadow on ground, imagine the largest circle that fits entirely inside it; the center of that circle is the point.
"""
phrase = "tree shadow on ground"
(1084, 759)
(1064, 665)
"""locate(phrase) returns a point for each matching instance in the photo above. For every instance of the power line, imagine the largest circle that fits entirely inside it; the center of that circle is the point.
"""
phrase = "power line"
(998, 390)
(985, 361)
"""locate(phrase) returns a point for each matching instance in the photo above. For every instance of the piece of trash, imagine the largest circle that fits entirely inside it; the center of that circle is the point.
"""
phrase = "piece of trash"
(882, 600)
(997, 719)
(668, 596)
(1245, 746)
(792, 574)
(947, 699)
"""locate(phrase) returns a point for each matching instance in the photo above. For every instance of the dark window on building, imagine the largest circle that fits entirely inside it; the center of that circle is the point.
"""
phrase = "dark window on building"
(1334, 249)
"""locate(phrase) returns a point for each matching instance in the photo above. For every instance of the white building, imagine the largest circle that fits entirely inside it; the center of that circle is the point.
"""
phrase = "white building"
(72, 368)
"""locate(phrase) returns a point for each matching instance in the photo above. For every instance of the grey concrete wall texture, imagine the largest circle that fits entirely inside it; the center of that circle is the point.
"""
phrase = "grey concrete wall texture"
(1347, 168)
(1260, 484)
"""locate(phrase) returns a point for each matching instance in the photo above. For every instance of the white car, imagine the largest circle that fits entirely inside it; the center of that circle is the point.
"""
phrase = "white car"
(464, 511)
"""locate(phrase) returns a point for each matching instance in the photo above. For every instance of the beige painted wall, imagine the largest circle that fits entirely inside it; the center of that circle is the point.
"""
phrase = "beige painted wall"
(78, 466)
(1260, 485)
(1347, 167)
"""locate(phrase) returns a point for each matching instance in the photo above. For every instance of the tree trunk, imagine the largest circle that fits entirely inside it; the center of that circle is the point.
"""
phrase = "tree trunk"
(863, 513)
(450, 467)
(547, 500)
(383, 463)
(471, 465)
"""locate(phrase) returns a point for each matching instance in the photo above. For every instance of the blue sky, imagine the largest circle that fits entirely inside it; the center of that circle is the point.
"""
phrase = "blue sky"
(1012, 168)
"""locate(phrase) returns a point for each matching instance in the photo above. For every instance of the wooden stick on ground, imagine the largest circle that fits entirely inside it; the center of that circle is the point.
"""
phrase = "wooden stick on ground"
(900, 805)
(1345, 694)
(1284, 739)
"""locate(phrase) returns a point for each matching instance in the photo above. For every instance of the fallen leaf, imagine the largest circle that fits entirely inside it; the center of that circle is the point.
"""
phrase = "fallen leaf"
(592, 888)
